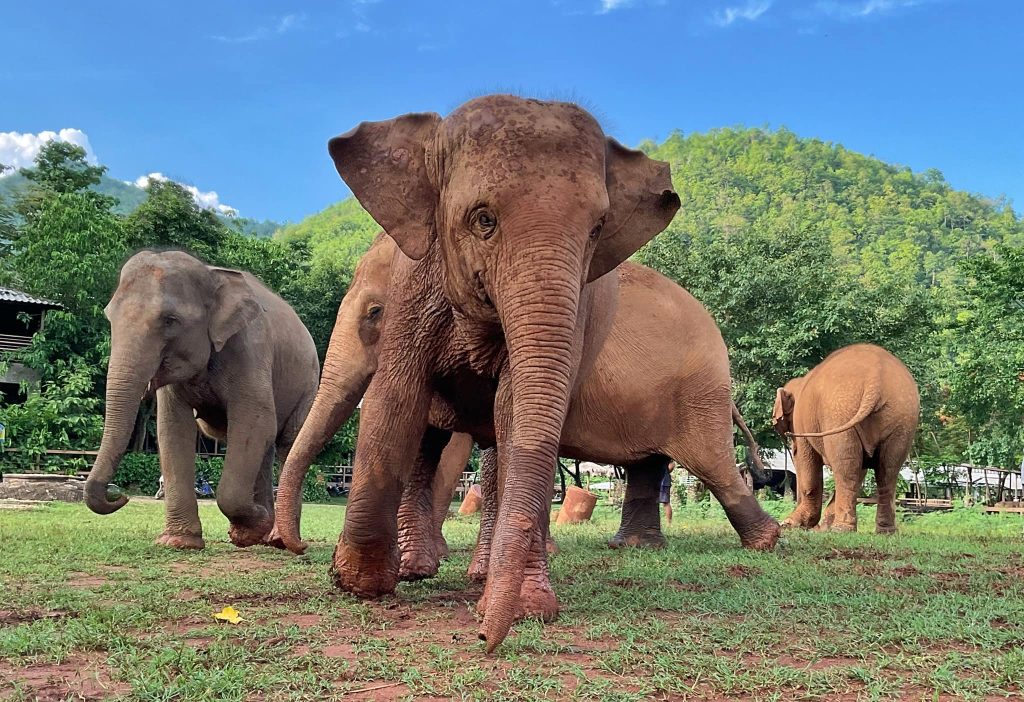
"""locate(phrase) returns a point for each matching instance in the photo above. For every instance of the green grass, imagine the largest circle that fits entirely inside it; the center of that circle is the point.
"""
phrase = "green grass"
(90, 609)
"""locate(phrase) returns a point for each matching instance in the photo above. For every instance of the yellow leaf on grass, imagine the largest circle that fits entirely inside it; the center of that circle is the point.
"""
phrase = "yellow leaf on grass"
(228, 614)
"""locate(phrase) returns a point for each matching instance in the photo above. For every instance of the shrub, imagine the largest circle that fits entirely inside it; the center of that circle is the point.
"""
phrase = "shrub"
(139, 472)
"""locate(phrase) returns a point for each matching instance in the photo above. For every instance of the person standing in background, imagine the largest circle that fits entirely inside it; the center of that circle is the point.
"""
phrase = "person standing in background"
(665, 497)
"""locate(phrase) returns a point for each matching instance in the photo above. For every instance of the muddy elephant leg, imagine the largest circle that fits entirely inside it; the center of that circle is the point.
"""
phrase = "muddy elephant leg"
(641, 518)
(892, 454)
(809, 488)
(176, 435)
(488, 514)
(252, 428)
(846, 458)
(707, 452)
(415, 512)
(449, 471)
(537, 599)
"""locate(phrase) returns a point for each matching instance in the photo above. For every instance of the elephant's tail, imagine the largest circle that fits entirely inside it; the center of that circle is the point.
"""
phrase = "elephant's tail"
(868, 403)
(757, 468)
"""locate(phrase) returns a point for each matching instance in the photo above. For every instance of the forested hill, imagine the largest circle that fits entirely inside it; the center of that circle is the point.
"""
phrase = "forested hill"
(129, 196)
(735, 182)
(799, 247)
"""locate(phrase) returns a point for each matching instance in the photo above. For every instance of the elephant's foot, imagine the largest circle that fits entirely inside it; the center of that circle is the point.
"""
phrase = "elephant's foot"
(885, 529)
(181, 541)
(646, 538)
(368, 572)
(762, 537)
(418, 565)
(537, 600)
(245, 535)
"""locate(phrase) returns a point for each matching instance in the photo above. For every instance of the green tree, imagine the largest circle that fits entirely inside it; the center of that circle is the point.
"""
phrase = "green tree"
(170, 218)
(987, 378)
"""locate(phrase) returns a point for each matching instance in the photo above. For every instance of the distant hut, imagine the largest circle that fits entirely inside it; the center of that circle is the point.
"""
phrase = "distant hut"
(21, 317)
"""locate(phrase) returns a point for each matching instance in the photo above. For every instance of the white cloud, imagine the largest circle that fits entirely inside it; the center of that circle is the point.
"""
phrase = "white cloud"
(284, 24)
(20, 149)
(209, 200)
(609, 5)
(863, 8)
(749, 12)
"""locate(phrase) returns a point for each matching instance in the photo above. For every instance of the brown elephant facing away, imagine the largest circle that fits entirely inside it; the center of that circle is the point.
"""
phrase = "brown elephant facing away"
(651, 385)
(856, 410)
(222, 352)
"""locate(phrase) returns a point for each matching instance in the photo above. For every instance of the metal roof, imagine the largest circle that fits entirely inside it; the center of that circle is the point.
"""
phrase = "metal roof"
(12, 295)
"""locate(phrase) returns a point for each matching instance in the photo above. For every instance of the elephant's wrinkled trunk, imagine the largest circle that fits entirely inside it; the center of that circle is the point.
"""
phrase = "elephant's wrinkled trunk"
(341, 387)
(538, 313)
(128, 374)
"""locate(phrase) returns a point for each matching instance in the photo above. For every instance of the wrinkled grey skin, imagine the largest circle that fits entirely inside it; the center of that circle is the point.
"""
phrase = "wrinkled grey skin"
(222, 352)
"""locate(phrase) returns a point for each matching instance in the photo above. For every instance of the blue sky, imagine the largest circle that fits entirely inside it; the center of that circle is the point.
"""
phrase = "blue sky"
(241, 97)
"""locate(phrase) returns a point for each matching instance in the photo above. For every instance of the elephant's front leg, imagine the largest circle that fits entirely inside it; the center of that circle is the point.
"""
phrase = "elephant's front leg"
(392, 425)
(176, 436)
(415, 513)
(641, 518)
(810, 486)
(252, 428)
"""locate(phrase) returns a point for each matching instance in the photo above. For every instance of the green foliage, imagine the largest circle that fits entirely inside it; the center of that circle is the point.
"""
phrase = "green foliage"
(139, 473)
(170, 218)
(987, 377)
(64, 414)
(798, 247)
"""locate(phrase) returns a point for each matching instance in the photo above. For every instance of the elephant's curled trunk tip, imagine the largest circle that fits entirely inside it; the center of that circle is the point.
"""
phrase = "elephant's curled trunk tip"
(104, 498)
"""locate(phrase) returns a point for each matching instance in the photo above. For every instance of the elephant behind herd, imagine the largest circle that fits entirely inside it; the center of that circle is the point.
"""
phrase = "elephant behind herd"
(499, 309)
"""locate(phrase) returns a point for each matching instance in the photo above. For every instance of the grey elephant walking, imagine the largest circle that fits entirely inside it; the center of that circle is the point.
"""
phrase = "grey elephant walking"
(222, 352)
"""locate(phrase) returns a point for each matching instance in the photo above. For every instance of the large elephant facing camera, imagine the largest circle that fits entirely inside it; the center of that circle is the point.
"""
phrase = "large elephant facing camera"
(222, 352)
(505, 210)
(856, 410)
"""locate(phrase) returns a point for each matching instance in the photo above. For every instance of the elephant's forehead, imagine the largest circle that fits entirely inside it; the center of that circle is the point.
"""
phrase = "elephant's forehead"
(526, 132)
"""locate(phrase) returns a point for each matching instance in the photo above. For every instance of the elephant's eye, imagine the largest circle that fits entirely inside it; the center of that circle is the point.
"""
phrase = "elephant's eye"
(484, 223)
(373, 314)
(596, 231)
(169, 320)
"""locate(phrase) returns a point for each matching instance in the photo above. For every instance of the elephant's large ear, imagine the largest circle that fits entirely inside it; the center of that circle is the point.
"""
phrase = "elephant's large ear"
(783, 405)
(641, 203)
(234, 308)
(385, 165)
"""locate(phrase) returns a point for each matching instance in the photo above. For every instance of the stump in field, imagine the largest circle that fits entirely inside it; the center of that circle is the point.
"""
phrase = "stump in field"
(577, 507)
(472, 502)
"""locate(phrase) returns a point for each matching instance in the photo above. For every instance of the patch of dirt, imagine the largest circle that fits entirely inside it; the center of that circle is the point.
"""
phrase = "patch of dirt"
(9, 617)
(226, 564)
(950, 582)
(303, 621)
(904, 571)
(77, 579)
(342, 650)
(742, 571)
(79, 677)
(382, 691)
(1000, 623)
